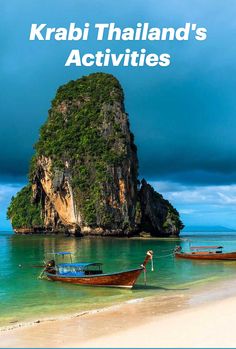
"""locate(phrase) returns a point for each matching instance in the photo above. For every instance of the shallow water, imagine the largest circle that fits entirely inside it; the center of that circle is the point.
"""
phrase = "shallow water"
(23, 297)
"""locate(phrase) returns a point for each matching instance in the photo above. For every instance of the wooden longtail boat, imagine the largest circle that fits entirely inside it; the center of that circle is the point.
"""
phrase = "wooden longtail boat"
(91, 274)
(205, 253)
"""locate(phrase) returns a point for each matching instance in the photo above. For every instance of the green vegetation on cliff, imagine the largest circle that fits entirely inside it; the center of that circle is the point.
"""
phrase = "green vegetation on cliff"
(23, 212)
(74, 129)
(158, 216)
(73, 133)
(172, 217)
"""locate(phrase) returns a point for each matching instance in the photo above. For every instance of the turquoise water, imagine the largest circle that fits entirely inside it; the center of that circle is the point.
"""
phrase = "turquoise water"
(23, 297)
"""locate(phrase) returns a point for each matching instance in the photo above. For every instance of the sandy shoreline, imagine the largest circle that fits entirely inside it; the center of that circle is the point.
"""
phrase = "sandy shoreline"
(204, 318)
(207, 326)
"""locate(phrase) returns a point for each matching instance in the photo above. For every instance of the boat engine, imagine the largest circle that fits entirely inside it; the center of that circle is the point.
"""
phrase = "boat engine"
(178, 249)
(50, 267)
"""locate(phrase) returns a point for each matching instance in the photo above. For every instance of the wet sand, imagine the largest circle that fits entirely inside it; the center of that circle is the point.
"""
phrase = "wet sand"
(203, 318)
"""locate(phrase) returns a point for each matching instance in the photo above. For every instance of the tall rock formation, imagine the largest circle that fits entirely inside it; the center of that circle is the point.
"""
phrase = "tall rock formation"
(83, 176)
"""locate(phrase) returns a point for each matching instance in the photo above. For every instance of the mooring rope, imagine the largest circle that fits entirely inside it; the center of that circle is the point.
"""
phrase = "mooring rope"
(152, 264)
(41, 274)
(169, 250)
(145, 275)
(166, 255)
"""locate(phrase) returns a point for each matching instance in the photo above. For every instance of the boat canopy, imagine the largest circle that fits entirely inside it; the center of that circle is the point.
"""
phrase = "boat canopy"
(78, 265)
(206, 247)
(62, 253)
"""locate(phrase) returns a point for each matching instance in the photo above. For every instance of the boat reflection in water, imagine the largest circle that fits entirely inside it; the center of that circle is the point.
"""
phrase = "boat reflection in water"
(91, 274)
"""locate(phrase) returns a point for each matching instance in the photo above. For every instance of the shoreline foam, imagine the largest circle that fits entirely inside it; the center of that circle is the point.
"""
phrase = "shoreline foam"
(70, 316)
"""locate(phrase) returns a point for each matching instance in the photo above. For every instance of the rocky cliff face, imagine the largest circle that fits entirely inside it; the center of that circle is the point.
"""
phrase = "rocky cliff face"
(157, 216)
(83, 177)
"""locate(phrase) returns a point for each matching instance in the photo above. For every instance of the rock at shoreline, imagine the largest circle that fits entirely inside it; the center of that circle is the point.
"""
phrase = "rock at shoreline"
(84, 174)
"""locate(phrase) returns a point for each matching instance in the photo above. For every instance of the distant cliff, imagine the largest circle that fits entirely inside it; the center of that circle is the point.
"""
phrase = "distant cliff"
(84, 174)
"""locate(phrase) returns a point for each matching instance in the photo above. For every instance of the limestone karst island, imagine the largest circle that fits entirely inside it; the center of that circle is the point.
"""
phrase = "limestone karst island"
(83, 177)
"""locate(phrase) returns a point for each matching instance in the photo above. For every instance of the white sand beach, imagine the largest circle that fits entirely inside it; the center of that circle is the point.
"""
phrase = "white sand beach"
(203, 319)
(208, 326)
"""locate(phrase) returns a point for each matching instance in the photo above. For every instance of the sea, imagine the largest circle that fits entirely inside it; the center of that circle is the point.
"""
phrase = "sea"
(25, 298)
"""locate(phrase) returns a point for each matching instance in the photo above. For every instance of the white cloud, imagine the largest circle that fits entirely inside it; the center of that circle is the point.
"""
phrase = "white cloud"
(212, 195)
(186, 211)
(8, 190)
(6, 193)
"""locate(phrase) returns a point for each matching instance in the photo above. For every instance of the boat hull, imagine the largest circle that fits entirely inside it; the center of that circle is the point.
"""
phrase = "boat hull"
(231, 256)
(125, 279)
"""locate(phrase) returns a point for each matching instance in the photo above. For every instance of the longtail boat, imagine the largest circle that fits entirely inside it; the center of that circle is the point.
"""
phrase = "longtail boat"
(91, 274)
(205, 253)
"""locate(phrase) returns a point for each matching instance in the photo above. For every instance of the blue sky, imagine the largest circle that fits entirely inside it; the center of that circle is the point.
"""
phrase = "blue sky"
(183, 116)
